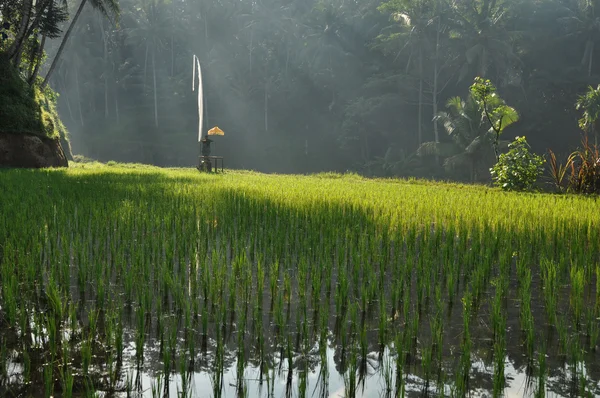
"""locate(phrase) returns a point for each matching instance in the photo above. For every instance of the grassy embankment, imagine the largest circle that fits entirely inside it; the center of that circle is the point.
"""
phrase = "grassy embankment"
(26, 109)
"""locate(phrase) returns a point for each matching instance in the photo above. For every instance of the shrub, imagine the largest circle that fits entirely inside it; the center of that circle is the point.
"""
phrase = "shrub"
(518, 169)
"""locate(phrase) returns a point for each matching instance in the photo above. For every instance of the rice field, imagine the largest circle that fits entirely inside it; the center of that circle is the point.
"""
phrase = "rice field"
(126, 282)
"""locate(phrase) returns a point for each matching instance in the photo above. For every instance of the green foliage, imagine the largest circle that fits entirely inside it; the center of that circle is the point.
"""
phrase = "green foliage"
(589, 103)
(518, 169)
(498, 115)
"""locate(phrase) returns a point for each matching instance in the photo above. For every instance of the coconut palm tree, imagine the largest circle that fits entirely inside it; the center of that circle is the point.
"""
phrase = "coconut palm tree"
(106, 7)
(581, 22)
(479, 28)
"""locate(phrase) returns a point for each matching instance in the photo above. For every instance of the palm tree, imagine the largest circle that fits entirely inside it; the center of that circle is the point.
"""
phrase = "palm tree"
(106, 7)
(582, 23)
(589, 103)
(413, 25)
(152, 30)
(471, 144)
(480, 28)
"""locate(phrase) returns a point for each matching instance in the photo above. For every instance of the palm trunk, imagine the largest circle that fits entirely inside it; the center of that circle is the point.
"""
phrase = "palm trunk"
(287, 61)
(78, 96)
(104, 39)
(16, 48)
(251, 42)
(591, 59)
(117, 103)
(155, 94)
(38, 62)
(40, 7)
(64, 90)
(435, 88)
(62, 44)
(266, 106)
(206, 32)
(32, 58)
(173, 43)
(146, 64)
(420, 112)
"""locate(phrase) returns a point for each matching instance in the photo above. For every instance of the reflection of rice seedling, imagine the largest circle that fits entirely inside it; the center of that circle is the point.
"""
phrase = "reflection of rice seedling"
(350, 377)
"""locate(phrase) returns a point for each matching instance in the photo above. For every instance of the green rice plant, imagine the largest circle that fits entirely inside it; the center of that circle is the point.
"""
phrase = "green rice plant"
(303, 383)
(274, 280)
(9, 297)
(540, 391)
(157, 387)
(140, 334)
(350, 377)
(426, 363)
(461, 385)
(387, 376)
(549, 274)
(576, 295)
(593, 329)
(185, 377)
(383, 323)
(48, 380)
(86, 355)
(67, 381)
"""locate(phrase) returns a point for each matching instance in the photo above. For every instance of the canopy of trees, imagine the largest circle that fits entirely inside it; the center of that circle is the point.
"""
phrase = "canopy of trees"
(307, 85)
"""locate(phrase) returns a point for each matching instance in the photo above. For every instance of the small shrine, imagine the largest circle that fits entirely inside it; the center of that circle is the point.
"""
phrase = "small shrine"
(205, 160)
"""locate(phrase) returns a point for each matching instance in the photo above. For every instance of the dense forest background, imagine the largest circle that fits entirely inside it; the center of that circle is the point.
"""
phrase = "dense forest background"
(310, 85)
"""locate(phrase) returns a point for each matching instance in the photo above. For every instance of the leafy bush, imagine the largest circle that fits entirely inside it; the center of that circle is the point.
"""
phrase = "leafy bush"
(518, 169)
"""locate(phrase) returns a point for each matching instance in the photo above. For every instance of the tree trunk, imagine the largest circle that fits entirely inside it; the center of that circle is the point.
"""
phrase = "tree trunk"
(206, 31)
(591, 59)
(117, 103)
(287, 61)
(14, 52)
(436, 133)
(146, 64)
(32, 57)
(173, 43)
(38, 17)
(38, 57)
(104, 39)
(78, 96)
(251, 42)
(64, 90)
(420, 112)
(267, 106)
(472, 171)
(38, 60)
(154, 84)
(63, 42)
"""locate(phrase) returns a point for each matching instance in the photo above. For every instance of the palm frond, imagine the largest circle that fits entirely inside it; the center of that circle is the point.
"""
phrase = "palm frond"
(442, 149)
(456, 161)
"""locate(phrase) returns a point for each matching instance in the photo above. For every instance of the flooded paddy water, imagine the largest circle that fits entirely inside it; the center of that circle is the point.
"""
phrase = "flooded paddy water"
(146, 283)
